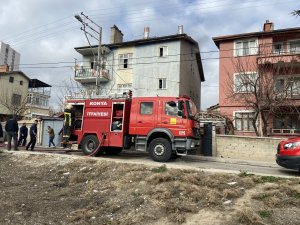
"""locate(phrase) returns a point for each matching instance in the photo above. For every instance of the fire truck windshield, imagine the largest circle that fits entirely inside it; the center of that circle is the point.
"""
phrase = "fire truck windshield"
(191, 109)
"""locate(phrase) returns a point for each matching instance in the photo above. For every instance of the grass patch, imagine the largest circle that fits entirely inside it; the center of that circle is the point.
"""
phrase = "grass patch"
(261, 197)
(264, 214)
(160, 169)
(266, 179)
(296, 195)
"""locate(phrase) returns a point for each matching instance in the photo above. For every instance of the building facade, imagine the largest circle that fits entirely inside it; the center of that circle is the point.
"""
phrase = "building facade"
(260, 71)
(38, 97)
(13, 92)
(161, 66)
(10, 57)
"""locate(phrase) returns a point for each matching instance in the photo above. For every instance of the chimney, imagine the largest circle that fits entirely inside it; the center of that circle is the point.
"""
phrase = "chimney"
(268, 26)
(180, 29)
(116, 36)
(4, 68)
(146, 32)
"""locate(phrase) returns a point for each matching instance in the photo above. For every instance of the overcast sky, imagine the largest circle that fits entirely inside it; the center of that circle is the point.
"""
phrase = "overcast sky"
(45, 31)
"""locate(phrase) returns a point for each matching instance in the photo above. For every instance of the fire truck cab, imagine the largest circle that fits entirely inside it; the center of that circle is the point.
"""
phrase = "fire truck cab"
(163, 126)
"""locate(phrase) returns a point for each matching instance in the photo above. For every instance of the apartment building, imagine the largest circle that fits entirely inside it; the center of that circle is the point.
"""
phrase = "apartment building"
(10, 57)
(261, 71)
(151, 66)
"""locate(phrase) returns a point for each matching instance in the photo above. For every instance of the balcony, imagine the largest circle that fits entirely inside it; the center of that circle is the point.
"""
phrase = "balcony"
(85, 76)
(281, 54)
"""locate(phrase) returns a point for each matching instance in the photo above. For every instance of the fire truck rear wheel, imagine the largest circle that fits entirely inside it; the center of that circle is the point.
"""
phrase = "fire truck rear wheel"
(89, 144)
(160, 150)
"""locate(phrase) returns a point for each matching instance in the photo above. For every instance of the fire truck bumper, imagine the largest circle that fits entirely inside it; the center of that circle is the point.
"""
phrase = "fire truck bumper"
(192, 144)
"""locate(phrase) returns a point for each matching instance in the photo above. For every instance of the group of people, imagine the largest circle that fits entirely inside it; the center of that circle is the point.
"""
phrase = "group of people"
(12, 130)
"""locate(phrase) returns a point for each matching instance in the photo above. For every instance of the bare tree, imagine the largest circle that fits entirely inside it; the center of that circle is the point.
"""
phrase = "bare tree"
(69, 89)
(14, 102)
(296, 12)
(264, 87)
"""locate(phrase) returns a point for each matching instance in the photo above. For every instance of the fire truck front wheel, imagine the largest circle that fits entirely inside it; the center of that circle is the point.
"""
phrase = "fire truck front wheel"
(160, 150)
(89, 144)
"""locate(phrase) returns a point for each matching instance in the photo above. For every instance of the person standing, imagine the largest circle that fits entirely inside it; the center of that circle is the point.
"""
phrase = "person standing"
(1, 131)
(33, 133)
(23, 135)
(51, 136)
(11, 128)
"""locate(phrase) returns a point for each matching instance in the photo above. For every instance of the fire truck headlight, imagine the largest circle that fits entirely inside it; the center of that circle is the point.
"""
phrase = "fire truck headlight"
(291, 145)
(192, 144)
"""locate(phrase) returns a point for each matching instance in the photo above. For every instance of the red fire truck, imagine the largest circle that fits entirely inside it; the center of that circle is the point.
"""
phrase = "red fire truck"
(163, 126)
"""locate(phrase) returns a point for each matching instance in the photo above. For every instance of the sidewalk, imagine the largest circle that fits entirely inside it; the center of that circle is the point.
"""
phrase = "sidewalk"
(234, 161)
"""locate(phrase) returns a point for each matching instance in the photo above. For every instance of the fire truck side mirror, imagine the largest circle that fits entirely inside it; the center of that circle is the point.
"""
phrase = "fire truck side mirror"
(179, 113)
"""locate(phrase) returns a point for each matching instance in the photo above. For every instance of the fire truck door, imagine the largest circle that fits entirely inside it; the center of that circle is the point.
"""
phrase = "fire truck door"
(171, 119)
(117, 122)
(145, 117)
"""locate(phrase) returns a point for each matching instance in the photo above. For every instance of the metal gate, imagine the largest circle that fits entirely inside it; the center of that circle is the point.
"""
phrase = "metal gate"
(56, 125)
(207, 139)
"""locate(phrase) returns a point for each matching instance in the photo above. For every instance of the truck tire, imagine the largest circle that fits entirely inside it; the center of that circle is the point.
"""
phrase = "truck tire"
(160, 150)
(113, 150)
(89, 144)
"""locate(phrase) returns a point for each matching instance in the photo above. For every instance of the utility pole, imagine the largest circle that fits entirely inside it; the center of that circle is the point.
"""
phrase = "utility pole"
(99, 39)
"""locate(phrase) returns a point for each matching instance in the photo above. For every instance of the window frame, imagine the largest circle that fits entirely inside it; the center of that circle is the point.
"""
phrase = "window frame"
(289, 46)
(249, 123)
(152, 108)
(11, 79)
(236, 50)
(281, 50)
(164, 51)
(125, 57)
(163, 84)
(235, 90)
(16, 99)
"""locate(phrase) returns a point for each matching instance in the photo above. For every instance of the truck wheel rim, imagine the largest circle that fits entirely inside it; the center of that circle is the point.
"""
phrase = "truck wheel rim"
(91, 145)
(159, 149)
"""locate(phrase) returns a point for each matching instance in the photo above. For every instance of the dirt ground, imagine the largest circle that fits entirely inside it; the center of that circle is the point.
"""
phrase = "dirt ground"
(61, 189)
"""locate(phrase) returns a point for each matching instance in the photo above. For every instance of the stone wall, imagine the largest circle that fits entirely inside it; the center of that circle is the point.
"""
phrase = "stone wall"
(246, 148)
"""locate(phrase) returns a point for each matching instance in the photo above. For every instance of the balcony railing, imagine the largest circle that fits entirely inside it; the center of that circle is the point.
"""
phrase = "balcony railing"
(285, 131)
(278, 53)
(91, 75)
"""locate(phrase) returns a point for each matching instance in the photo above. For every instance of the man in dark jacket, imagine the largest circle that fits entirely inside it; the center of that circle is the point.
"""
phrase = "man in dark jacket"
(33, 133)
(1, 132)
(23, 135)
(11, 128)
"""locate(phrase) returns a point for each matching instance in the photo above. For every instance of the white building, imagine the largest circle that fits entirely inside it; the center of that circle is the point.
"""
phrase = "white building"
(152, 66)
(9, 56)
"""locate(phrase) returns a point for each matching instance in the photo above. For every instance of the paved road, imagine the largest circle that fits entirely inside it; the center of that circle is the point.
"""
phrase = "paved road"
(208, 164)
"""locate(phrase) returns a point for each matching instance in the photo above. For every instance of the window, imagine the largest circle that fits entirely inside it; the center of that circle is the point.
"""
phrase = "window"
(146, 108)
(11, 79)
(21, 82)
(162, 83)
(294, 46)
(16, 100)
(246, 47)
(163, 51)
(171, 109)
(245, 82)
(124, 87)
(278, 48)
(243, 121)
(287, 86)
(289, 121)
(125, 61)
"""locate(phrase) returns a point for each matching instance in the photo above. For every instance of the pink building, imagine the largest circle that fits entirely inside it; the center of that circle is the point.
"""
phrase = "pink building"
(259, 76)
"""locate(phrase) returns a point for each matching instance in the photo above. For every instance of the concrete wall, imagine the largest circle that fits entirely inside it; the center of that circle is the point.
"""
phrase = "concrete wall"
(246, 148)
